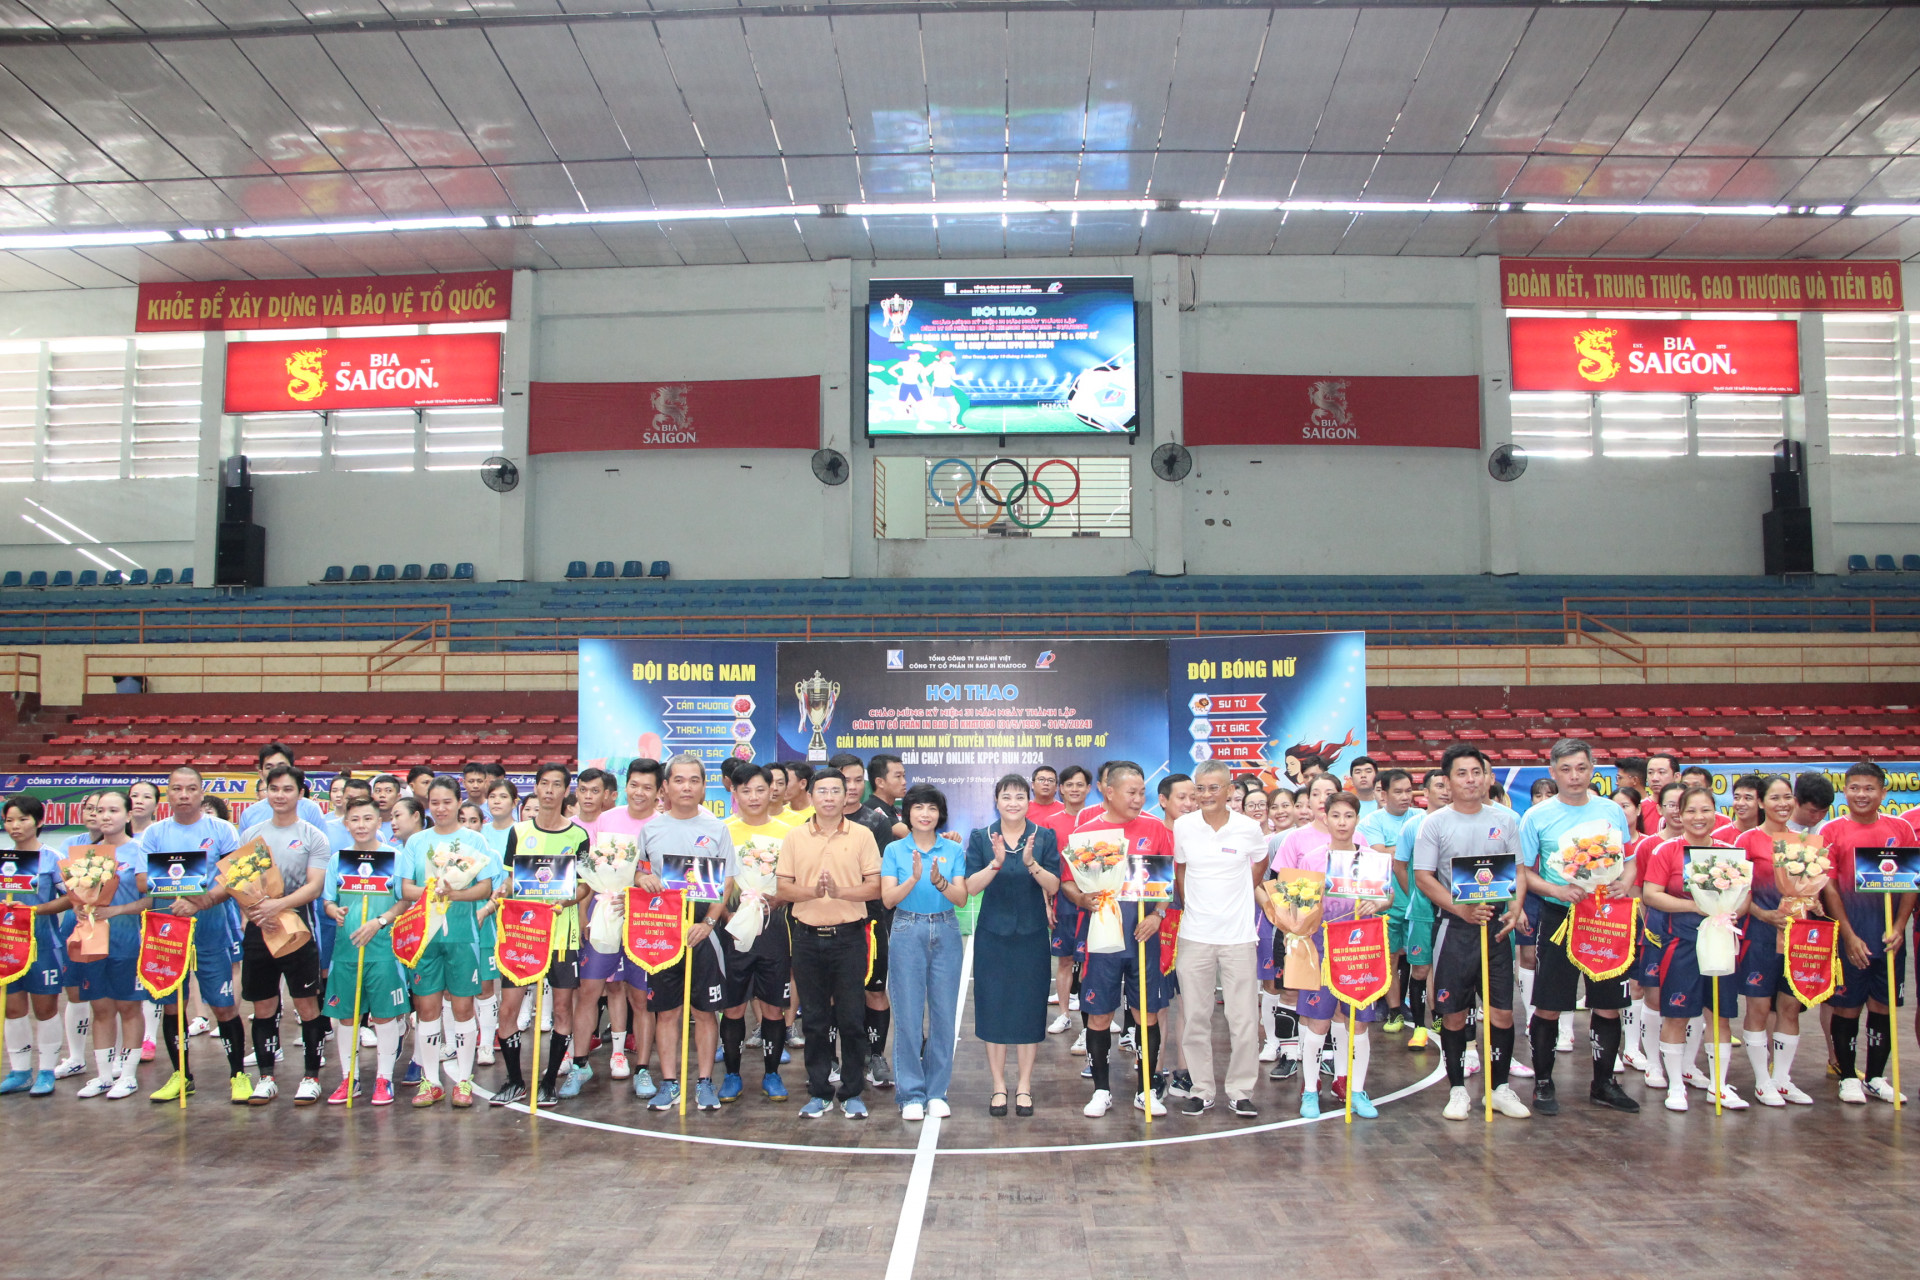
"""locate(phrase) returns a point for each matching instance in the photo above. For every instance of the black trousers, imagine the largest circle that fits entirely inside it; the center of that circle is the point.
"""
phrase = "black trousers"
(830, 976)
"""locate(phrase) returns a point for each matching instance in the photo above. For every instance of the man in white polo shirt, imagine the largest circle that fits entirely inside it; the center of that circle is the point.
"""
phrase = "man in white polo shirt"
(1218, 855)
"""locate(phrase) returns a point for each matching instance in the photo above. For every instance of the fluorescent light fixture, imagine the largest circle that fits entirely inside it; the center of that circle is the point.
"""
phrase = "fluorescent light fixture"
(1333, 206)
(1886, 211)
(1658, 210)
(964, 208)
(83, 239)
(355, 228)
(676, 215)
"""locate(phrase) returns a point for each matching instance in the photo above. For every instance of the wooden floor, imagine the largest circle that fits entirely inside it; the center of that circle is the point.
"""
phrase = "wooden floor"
(131, 1189)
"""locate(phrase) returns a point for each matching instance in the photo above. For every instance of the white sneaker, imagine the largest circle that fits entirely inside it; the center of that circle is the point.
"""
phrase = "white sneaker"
(308, 1093)
(124, 1087)
(938, 1108)
(913, 1111)
(198, 1026)
(1472, 1061)
(833, 1076)
(1459, 1105)
(1632, 1060)
(1508, 1103)
(94, 1087)
(796, 1038)
(1140, 1103)
(1851, 1090)
(1563, 1042)
(1881, 1089)
(69, 1067)
(1656, 1075)
(1768, 1097)
(526, 1014)
(617, 1065)
(1794, 1093)
(1098, 1105)
(1677, 1099)
(1520, 1070)
(754, 1041)
(1699, 1079)
(1730, 1100)
(368, 1040)
(1073, 1004)
(1059, 1025)
(1053, 997)
(483, 1054)
(1270, 1051)
(1079, 1043)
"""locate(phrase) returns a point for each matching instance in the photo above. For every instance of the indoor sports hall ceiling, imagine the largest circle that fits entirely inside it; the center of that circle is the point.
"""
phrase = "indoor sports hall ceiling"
(199, 117)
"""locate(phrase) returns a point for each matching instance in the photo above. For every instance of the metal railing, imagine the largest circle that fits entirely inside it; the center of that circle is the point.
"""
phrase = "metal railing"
(197, 624)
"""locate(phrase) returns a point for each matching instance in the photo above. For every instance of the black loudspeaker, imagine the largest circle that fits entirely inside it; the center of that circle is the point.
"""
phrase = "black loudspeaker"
(236, 491)
(240, 555)
(1789, 489)
(1789, 455)
(1787, 539)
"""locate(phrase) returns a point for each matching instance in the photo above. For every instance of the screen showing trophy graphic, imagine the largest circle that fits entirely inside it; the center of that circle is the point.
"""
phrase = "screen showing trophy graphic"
(817, 694)
(17, 872)
(177, 875)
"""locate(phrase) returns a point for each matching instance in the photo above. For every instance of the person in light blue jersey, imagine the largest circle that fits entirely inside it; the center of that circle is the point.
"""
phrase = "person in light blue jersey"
(33, 1001)
(1418, 933)
(109, 985)
(272, 756)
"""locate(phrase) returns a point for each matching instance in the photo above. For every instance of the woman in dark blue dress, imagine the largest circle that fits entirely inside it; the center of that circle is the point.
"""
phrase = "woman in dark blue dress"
(1014, 868)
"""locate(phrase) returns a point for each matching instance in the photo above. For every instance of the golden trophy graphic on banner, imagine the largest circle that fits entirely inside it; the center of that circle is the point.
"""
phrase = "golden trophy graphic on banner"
(817, 695)
(895, 310)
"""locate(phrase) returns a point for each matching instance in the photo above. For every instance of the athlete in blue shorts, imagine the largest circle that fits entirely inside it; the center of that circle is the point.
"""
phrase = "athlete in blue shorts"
(26, 875)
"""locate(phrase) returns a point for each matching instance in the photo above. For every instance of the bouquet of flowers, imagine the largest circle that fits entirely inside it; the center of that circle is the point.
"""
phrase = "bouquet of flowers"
(607, 868)
(1719, 881)
(92, 878)
(1800, 872)
(1591, 862)
(249, 874)
(755, 882)
(1296, 903)
(450, 868)
(1099, 863)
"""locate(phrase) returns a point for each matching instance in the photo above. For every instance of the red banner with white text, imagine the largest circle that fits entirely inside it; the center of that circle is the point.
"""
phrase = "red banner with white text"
(1272, 408)
(404, 372)
(741, 413)
(1636, 284)
(195, 305)
(1693, 357)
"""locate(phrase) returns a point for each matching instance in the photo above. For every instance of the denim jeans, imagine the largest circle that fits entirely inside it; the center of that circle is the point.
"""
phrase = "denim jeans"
(923, 985)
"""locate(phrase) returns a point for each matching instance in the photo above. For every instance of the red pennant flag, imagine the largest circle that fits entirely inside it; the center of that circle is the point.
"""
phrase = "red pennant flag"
(1600, 934)
(1169, 939)
(166, 952)
(524, 945)
(410, 933)
(16, 939)
(1357, 966)
(1813, 959)
(656, 928)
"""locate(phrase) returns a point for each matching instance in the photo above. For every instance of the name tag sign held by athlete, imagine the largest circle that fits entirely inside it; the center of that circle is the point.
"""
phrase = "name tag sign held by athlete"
(178, 875)
(1485, 879)
(1887, 872)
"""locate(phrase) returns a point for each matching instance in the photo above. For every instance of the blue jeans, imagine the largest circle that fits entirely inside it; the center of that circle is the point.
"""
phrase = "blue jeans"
(923, 985)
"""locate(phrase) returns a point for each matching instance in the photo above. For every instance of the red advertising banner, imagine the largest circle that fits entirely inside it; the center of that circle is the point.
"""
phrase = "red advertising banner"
(324, 304)
(408, 372)
(1269, 408)
(523, 948)
(1632, 284)
(1760, 357)
(744, 413)
(1358, 963)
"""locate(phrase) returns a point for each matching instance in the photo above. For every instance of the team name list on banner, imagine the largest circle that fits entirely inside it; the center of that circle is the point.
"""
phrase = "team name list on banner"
(1615, 284)
(207, 305)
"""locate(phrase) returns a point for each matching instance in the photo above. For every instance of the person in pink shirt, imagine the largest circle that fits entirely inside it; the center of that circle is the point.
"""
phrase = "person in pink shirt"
(596, 968)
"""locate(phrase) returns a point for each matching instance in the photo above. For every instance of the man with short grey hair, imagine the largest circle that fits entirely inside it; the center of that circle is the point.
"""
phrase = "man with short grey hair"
(1218, 857)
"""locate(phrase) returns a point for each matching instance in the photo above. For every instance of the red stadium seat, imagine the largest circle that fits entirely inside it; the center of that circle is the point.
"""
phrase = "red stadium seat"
(376, 719)
(1806, 753)
(1665, 713)
(1862, 709)
(173, 762)
(149, 721)
(1770, 753)
(428, 739)
(1387, 713)
(1737, 753)
(1765, 713)
(243, 719)
(66, 740)
(1597, 713)
(395, 740)
(1562, 713)
(294, 739)
(1509, 735)
(1732, 713)
(324, 740)
(162, 739)
(1683, 732)
(208, 761)
(1719, 731)
(87, 720)
(376, 762)
(116, 722)
(447, 762)
(1389, 735)
(1614, 732)
(506, 720)
(356, 740)
(276, 720)
(460, 740)
(569, 740)
(1830, 711)
(239, 762)
(439, 720)
(527, 762)
(1784, 730)
(257, 739)
(1796, 711)
(1496, 713)
(1466, 716)
(193, 739)
(309, 719)
(556, 719)
(1465, 735)
(1635, 713)
(400, 720)
(224, 740)
(1529, 713)
(569, 719)
(46, 762)
(1697, 713)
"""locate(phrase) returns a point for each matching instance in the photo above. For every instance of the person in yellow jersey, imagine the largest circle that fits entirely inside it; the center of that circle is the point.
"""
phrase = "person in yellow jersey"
(755, 942)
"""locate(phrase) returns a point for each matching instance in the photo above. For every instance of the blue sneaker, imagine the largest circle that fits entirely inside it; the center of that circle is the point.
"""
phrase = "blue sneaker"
(643, 1086)
(785, 1057)
(720, 1054)
(1363, 1105)
(413, 1075)
(732, 1087)
(667, 1098)
(815, 1108)
(570, 1087)
(774, 1087)
(42, 1085)
(855, 1109)
(703, 1095)
(583, 1069)
(16, 1082)
(1309, 1106)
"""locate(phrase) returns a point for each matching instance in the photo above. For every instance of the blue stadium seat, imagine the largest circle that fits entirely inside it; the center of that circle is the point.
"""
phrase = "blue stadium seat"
(412, 573)
(578, 568)
(463, 572)
(163, 577)
(88, 578)
(113, 578)
(603, 569)
(38, 578)
(660, 569)
(63, 577)
(334, 573)
(633, 569)
(360, 573)
(1856, 564)
(385, 573)
(1884, 564)
(136, 577)
(437, 571)
(186, 576)
(12, 579)
(1910, 564)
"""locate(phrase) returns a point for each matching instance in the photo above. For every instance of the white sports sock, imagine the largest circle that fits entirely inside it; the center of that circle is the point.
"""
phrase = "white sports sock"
(347, 1037)
(1649, 1034)
(1629, 1027)
(103, 1063)
(1362, 1055)
(1674, 1058)
(426, 1051)
(19, 1043)
(1310, 1043)
(1268, 1003)
(1756, 1042)
(1339, 1047)
(150, 1021)
(1784, 1048)
(130, 1064)
(386, 1036)
(1526, 990)
(1696, 1032)
(46, 1039)
(488, 1013)
(78, 1021)
(465, 1041)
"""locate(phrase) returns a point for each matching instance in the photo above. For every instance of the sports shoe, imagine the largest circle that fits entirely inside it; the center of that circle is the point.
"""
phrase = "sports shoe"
(774, 1087)
(754, 1041)
(413, 1074)
(308, 1093)
(1520, 1070)
(643, 1086)
(704, 1097)
(427, 1095)
(1178, 1087)
(1141, 1103)
(1794, 1094)
(1059, 1025)
(1471, 1062)
(124, 1087)
(483, 1054)
(1731, 1100)
(570, 1082)
(243, 1090)
(508, 1094)
(1073, 1004)
(1285, 1069)
(1128, 1044)
(719, 1052)
(854, 1109)
(95, 1087)
(1086, 1072)
(815, 1109)
(1363, 1105)
(1851, 1090)
(546, 1099)
(731, 1087)
(1079, 1042)
(1508, 1103)
(368, 1040)
(263, 1093)
(1632, 1060)
(1767, 1096)
(1243, 1107)
(1880, 1088)
(1396, 1023)
(1544, 1100)
(147, 1050)
(879, 1073)
(1098, 1105)
(168, 1092)
(1338, 1088)
(1270, 1050)
(833, 1074)
(463, 1095)
(1053, 997)
(383, 1093)
(785, 1057)
(1563, 1041)
(796, 1038)
(618, 1066)
(69, 1067)
(1310, 1106)
(1833, 1069)
(582, 1068)
(251, 1063)
(1418, 1040)
(42, 1085)
(1195, 1105)
(1610, 1094)
(341, 1092)
(1699, 1079)
(913, 1111)
(1656, 1075)
(667, 1098)
(1676, 1099)
(938, 1108)
(526, 1014)
(198, 1026)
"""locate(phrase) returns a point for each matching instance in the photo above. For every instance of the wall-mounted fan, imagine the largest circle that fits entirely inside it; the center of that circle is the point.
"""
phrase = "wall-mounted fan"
(499, 474)
(1507, 463)
(830, 466)
(1171, 462)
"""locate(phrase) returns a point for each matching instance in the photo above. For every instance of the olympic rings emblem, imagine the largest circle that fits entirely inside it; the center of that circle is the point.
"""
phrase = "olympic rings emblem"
(981, 482)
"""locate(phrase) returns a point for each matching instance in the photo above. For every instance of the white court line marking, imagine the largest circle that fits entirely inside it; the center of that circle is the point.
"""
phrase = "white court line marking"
(913, 1210)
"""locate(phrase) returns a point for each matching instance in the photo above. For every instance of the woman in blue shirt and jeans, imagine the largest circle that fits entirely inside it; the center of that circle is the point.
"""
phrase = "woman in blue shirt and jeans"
(920, 880)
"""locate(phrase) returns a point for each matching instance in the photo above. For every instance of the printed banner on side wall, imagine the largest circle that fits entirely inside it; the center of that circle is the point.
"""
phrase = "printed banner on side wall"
(363, 373)
(194, 305)
(1635, 284)
(741, 413)
(1694, 357)
(656, 698)
(1263, 703)
(1261, 408)
(963, 713)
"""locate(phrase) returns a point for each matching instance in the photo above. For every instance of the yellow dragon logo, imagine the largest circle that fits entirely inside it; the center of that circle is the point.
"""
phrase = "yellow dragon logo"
(305, 381)
(1595, 349)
